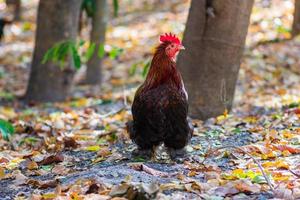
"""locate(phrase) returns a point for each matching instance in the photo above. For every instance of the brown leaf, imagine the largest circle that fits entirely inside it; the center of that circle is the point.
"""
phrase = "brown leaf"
(224, 191)
(42, 184)
(70, 142)
(20, 179)
(60, 170)
(96, 197)
(283, 193)
(119, 190)
(150, 188)
(104, 152)
(4, 160)
(93, 188)
(52, 159)
(247, 186)
(31, 165)
(292, 150)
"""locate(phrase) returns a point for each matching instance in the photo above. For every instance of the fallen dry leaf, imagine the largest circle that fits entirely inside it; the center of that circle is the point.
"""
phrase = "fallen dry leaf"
(52, 159)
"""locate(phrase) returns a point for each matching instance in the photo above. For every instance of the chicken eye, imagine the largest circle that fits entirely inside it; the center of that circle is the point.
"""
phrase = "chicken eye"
(172, 45)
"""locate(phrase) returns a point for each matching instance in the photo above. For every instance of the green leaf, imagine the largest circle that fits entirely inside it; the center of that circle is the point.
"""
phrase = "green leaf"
(259, 179)
(29, 140)
(76, 58)
(89, 6)
(237, 130)
(90, 51)
(116, 7)
(139, 159)
(115, 52)
(81, 43)
(294, 105)
(47, 167)
(101, 51)
(58, 52)
(146, 69)
(7, 95)
(6, 129)
(132, 69)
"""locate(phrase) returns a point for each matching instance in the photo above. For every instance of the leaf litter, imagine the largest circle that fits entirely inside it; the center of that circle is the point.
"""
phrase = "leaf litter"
(79, 149)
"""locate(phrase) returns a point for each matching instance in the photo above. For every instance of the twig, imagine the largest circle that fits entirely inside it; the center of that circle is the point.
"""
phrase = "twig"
(294, 173)
(149, 170)
(254, 159)
(113, 112)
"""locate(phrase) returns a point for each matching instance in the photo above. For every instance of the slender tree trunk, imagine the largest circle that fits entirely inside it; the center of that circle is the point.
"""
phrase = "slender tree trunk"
(99, 21)
(57, 21)
(17, 8)
(296, 21)
(214, 46)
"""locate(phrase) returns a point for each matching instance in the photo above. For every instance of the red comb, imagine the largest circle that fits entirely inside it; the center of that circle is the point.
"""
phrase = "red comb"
(169, 38)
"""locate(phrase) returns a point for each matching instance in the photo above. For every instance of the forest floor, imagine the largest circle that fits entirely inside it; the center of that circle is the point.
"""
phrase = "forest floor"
(79, 148)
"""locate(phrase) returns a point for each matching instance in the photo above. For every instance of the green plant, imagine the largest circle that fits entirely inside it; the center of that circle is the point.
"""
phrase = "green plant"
(145, 65)
(61, 51)
(89, 6)
(6, 129)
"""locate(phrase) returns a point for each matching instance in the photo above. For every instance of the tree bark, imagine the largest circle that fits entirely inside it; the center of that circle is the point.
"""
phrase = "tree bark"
(57, 21)
(214, 46)
(99, 21)
(296, 21)
(17, 8)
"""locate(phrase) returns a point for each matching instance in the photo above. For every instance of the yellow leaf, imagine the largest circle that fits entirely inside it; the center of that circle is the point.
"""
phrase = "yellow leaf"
(49, 196)
(225, 113)
(269, 155)
(14, 163)
(192, 173)
(93, 148)
(197, 147)
(286, 153)
(282, 165)
(238, 171)
(250, 119)
(8, 112)
(2, 173)
(281, 178)
(75, 196)
(287, 134)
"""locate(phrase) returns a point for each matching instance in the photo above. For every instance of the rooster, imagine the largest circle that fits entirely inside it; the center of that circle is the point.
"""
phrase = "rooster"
(160, 105)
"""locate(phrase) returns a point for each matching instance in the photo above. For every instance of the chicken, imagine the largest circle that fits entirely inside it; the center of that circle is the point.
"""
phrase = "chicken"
(160, 105)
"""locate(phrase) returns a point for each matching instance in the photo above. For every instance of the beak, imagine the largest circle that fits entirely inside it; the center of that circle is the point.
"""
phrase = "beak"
(181, 47)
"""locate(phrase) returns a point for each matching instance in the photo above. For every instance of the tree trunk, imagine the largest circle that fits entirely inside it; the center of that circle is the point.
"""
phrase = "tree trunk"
(17, 8)
(214, 46)
(99, 21)
(57, 21)
(296, 21)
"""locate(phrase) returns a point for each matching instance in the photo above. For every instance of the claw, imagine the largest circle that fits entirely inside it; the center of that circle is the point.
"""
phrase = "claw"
(177, 153)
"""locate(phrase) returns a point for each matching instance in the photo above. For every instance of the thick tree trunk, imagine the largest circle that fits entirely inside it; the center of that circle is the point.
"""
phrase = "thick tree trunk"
(214, 47)
(296, 21)
(57, 21)
(99, 21)
(17, 8)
